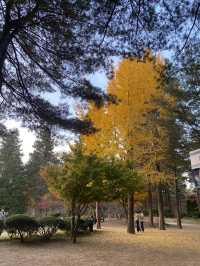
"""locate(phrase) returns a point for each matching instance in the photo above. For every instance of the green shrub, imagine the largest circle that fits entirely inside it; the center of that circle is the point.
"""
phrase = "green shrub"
(85, 225)
(169, 213)
(1, 227)
(65, 224)
(146, 212)
(21, 226)
(154, 210)
(192, 209)
(58, 214)
(48, 226)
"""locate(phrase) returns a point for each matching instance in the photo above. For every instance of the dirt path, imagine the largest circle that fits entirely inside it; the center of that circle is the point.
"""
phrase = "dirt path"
(110, 247)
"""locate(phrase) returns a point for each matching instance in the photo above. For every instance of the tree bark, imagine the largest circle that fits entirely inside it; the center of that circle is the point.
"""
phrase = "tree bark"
(178, 211)
(73, 225)
(98, 216)
(131, 225)
(198, 199)
(124, 206)
(150, 205)
(169, 202)
(161, 208)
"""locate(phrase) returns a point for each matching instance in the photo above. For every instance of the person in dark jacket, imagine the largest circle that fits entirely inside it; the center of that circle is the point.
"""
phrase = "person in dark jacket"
(141, 219)
(137, 220)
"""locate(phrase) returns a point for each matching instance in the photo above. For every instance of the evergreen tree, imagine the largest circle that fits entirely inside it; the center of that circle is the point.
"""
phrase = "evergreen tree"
(42, 156)
(2, 130)
(44, 44)
(13, 182)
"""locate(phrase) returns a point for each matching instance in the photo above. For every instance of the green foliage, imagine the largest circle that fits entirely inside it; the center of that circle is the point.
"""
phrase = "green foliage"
(121, 178)
(79, 178)
(42, 155)
(85, 224)
(83, 179)
(192, 209)
(87, 178)
(65, 224)
(3, 130)
(169, 213)
(58, 214)
(13, 187)
(36, 34)
(155, 212)
(48, 226)
(1, 227)
(21, 226)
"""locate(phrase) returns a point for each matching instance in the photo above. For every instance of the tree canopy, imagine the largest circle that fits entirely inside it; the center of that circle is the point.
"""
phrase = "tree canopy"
(41, 156)
(13, 189)
(51, 46)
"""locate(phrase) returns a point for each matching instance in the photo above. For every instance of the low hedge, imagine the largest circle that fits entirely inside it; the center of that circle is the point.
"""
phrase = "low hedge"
(21, 226)
(85, 225)
(65, 225)
(48, 226)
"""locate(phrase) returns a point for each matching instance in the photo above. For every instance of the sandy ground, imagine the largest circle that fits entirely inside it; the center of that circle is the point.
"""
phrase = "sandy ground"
(110, 247)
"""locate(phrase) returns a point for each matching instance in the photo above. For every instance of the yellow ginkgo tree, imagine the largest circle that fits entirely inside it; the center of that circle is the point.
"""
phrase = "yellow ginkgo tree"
(133, 128)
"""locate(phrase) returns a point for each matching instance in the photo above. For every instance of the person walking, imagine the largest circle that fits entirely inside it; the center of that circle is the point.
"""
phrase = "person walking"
(137, 220)
(141, 219)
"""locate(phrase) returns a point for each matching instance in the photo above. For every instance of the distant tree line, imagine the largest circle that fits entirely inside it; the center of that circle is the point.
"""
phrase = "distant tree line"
(21, 184)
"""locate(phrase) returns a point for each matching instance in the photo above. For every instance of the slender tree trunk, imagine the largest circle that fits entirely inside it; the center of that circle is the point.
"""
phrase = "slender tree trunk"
(198, 199)
(98, 217)
(150, 205)
(178, 211)
(169, 202)
(124, 206)
(73, 225)
(131, 224)
(161, 208)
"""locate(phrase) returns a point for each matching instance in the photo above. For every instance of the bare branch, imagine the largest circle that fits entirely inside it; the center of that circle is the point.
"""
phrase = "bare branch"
(191, 29)
(107, 23)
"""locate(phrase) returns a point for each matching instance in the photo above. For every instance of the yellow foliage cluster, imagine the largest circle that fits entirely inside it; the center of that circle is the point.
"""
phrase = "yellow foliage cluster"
(131, 129)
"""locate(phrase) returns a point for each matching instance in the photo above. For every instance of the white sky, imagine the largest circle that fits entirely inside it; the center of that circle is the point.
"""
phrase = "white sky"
(26, 136)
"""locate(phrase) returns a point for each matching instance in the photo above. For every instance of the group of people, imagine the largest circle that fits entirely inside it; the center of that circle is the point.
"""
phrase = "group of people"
(139, 219)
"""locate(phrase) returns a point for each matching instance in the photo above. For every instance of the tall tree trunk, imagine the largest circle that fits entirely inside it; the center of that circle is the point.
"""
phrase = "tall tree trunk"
(124, 206)
(73, 225)
(150, 205)
(131, 225)
(98, 216)
(178, 211)
(169, 202)
(198, 199)
(161, 208)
